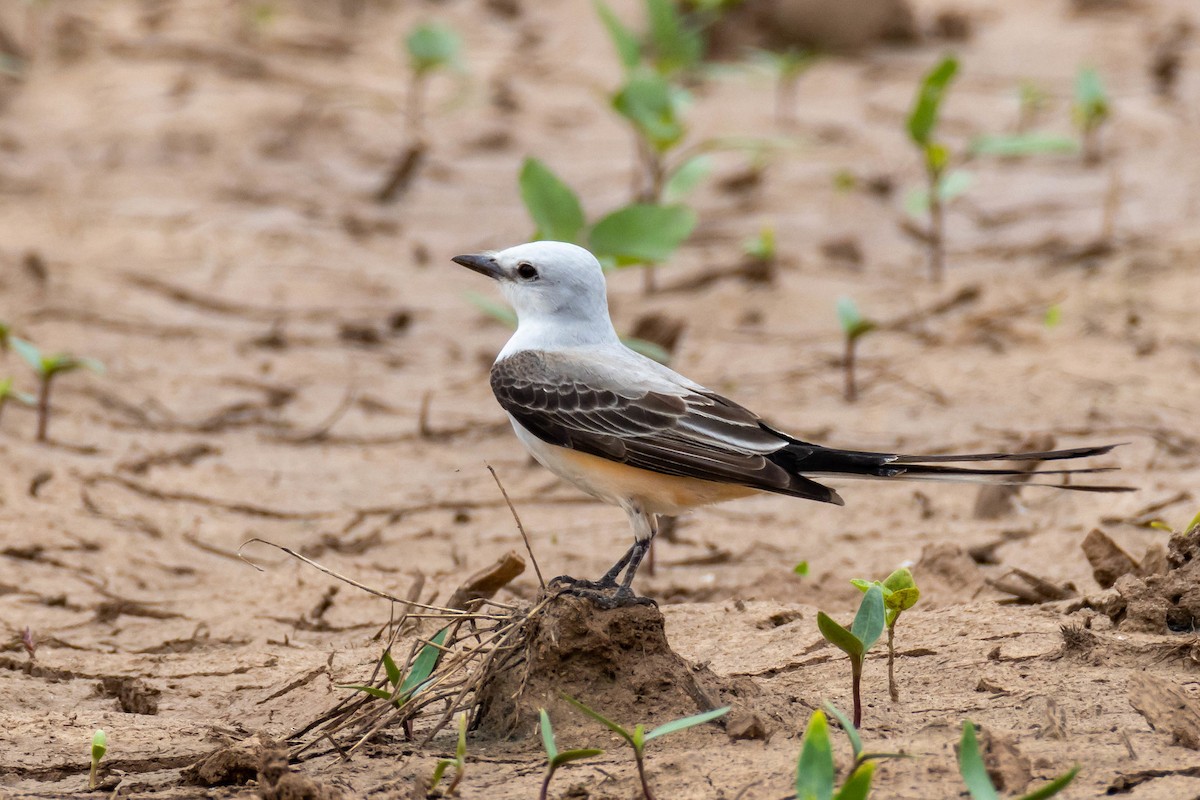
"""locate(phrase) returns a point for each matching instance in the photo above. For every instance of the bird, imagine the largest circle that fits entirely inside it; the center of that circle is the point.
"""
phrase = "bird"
(634, 433)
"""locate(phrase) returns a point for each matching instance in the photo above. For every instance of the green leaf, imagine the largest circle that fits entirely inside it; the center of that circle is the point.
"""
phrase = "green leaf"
(868, 622)
(686, 177)
(861, 584)
(596, 715)
(423, 665)
(762, 246)
(848, 727)
(1053, 787)
(950, 186)
(1195, 521)
(552, 204)
(460, 751)
(1091, 100)
(902, 599)
(971, 766)
(439, 771)
(99, 745)
(687, 722)
(1053, 316)
(858, 785)
(431, 46)
(642, 233)
(493, 308)
(548, 736)
(393, 671)
(628, 49)
(648, 349)
(923, 118)
(801, 568)
(838, 636)
(1014, 145)
(639, 737)
(653, 106)
(814, 770)
(29, 354)
(567, 756)
(374, 691)
(853, 323)
(677, 46)
(900, 579)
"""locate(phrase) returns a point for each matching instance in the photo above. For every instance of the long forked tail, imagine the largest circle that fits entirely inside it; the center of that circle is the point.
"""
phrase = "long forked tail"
(814, 460)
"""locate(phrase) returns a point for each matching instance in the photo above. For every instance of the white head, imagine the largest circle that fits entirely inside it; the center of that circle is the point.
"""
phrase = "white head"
(556, 289)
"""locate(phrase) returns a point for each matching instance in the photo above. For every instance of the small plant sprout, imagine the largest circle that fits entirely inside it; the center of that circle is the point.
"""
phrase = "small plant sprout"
(855, 642)
(979, 783)
(787, 66)
(854, 327)
(430, 48)
(99, 748)
(7, 392)
(1160, 525)
(5, 335)
(942, 186)
(816, 777)
(1090, 110)
(404, 687)
(46, 368)
(459, 762)
(900, 593)
(639, 737)
(639, 233)
(556, 758)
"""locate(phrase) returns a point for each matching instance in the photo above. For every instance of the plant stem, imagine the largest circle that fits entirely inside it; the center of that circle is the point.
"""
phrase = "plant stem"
(641, 767)
(893, 689)
(43, 406)
(937, 224)
(92, 776)
(851, 389)
(546, 784)
(856, 666)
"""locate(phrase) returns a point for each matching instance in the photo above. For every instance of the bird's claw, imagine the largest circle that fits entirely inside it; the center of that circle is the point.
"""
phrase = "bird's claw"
(605, 598)
(567, 583)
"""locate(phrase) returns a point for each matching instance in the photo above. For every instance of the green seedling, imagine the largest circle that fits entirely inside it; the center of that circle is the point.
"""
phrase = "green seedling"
(505, 316)
(556, 758)
(857, 640)
(1160, 525)
(854, 327)
(816, 777)
(403, 687)
(47, 368)
(638, 233)
(1031, 102)
(922, 130)
(7, 392)
(900, 593)
(639, 737)
(99, 748)
(671, 45)
(1017, 145)
(801, 569)
(430, 48)
(459, 762)
(979, 783)
(787, 66)
(1090, 110)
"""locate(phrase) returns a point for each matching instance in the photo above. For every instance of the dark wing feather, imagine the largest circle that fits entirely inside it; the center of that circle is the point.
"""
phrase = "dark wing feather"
(692, 434)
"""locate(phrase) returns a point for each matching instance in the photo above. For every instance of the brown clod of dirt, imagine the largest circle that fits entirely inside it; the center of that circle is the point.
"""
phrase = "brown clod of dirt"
(1109, 562)
(134, 695)
(744, 724)
(947, 574)
(838, 25)
(1167, 708)
(617, 662)
(1164, 603)
(1006, 765)
(278, 781)
(661, 329)
(234, 765)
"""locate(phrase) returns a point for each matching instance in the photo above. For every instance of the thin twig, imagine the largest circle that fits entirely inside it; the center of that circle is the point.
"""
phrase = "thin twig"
(533, 559)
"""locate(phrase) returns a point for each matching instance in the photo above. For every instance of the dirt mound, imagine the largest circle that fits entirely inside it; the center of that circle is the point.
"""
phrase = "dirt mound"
(1165, 603)
(616, 661)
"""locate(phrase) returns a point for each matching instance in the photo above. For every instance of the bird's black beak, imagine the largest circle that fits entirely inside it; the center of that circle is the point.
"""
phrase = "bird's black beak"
(481, 263)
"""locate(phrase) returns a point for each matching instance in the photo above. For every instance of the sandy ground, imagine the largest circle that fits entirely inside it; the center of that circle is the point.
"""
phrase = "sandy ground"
(188, 198)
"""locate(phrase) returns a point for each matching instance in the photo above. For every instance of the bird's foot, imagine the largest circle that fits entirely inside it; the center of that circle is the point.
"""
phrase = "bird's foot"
(608, 598)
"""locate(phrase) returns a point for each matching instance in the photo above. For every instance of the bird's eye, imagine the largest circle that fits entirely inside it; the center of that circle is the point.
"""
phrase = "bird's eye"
(526, 271)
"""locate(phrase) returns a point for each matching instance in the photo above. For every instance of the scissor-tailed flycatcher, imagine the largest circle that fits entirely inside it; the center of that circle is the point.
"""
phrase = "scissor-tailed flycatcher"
(633, 433)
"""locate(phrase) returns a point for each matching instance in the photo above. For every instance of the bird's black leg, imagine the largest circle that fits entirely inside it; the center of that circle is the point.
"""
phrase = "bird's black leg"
(601, 592)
